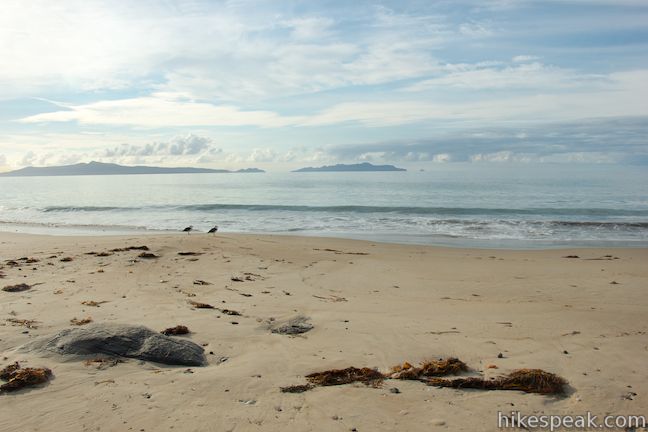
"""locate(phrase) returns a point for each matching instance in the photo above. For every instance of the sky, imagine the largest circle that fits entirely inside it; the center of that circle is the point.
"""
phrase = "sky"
(285, 84)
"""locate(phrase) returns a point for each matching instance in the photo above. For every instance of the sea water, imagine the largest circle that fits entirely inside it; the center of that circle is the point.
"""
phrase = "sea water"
(489, 205)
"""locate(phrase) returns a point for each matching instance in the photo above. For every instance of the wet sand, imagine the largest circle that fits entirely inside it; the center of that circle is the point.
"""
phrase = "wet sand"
(371, 304)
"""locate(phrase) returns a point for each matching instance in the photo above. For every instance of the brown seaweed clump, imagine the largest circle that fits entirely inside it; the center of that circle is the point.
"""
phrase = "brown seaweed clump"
(432, 368)
(6, 373)
(526, 380)
(80, 322)
(177, 330)
(349, 375)
(130, 248)
(199, 305)
(103, 363)
(230, 312)
(93, 303)
(148, 255)
(300, 388)
(18, 378)
(32, 324)
(17, 288)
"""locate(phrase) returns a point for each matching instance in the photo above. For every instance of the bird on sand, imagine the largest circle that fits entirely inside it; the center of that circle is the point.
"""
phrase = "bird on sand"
(188, 229)
(213, 230)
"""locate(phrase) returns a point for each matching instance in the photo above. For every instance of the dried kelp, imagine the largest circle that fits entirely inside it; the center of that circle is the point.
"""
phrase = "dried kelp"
(300, 388)
(229, 312)
(346, 376)
(7, 371)
(130, 248)
(148, 255)
(432, 368)
(102, 363)
(526, 380)
(18, 378)
(199, 305)
(80, 322)
(201, 282)
(17, 288)
(177, 330)
(32, 324)
(93, 303)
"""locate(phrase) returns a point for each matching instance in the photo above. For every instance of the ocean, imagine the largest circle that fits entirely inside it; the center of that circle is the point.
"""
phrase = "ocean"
(479, 205)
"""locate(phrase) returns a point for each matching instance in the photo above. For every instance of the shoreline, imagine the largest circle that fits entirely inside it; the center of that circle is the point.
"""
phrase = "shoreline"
(385, 238)
(371, 305)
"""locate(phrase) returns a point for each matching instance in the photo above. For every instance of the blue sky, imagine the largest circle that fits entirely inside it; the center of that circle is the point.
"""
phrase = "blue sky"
(283, 84)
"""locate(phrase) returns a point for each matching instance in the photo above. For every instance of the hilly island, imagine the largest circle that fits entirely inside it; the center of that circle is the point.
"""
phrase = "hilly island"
(361, 167)
(99, 168)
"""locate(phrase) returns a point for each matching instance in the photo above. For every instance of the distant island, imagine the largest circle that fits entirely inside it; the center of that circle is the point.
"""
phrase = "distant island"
(99, 168)
(361, 167)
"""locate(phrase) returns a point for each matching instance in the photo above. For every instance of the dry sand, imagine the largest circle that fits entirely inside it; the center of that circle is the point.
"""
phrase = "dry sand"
(371, 305)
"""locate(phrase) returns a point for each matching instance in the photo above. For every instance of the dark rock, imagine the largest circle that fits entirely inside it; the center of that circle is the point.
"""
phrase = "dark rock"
(293, 326)
(17, 288)
(130, 341)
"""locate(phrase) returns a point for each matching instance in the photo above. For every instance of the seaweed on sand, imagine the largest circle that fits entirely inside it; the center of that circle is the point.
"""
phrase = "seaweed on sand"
(299, 388)
(17, 288)
(229, 312)
(130, 248)
(177, 330)
(148, 255)
(32, 324)
(18, 378)
(526, 380)
(199, 305)
(102, 363)
(93, 303)
(346, 376)
(6, 372)
(80, 322)
(431, 368)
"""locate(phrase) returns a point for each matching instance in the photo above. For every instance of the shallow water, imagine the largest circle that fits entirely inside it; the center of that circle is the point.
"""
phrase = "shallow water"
(489, 205)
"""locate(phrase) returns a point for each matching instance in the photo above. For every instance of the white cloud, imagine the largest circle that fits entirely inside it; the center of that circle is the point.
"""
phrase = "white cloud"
(177, 146)
(155, 111)
(475, 30)
(309, 27)
(624, 95)
(205, 49)
(524, 58)
(521, 75)
(442, 158)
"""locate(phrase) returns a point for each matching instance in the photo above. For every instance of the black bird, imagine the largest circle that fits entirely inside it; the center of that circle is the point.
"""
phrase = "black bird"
(213, 230)
(188, 229)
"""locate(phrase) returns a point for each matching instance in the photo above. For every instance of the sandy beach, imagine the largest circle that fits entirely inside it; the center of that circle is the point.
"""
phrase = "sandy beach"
(371, 305)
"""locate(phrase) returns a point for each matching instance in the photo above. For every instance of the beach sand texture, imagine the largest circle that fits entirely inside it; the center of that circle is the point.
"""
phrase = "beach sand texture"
(371, 305)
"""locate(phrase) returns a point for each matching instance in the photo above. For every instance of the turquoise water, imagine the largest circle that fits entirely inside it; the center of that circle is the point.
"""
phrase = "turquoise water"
(492, 205)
